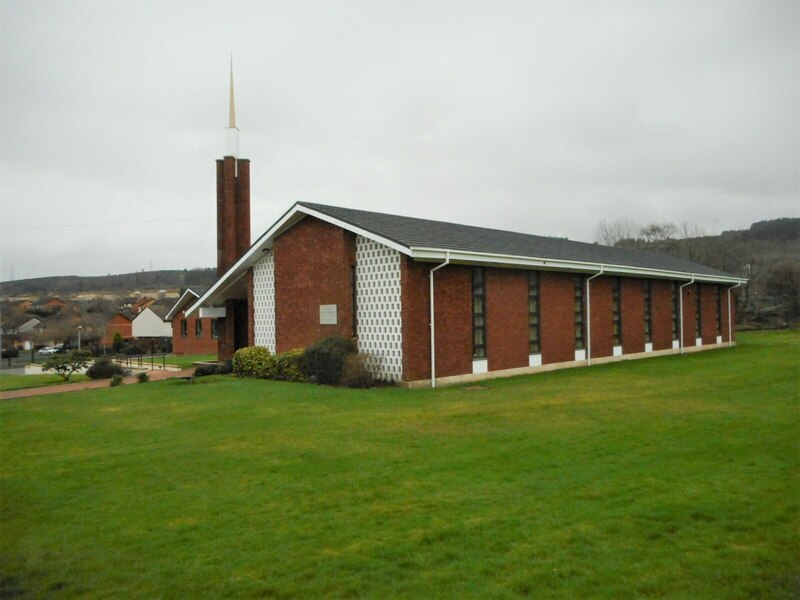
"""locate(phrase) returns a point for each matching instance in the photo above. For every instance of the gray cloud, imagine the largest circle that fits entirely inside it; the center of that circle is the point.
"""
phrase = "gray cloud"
(544, 117)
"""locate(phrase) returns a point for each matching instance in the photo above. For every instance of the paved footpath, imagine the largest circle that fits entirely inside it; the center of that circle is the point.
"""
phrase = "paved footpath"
(88, 385)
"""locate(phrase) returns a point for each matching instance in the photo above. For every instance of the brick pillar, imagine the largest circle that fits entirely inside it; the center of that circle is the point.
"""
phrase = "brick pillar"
(233, 240)
(242, 208)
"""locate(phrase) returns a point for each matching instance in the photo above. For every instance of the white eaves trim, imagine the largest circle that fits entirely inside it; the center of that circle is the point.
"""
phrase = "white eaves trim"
(460, 256)
(176, 308)
(264, 243)
(298, 212)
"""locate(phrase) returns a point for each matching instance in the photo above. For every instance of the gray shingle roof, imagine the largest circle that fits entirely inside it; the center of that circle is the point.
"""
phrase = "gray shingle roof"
(424, 233)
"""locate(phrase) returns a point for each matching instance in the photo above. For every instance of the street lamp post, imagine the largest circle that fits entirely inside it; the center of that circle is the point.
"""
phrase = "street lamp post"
(79, 336)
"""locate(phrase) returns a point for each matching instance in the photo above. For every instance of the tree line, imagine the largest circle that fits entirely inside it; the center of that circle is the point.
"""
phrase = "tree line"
(768, 254)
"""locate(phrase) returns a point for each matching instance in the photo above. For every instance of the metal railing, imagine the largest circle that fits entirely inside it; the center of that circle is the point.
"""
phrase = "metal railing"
(142, 361)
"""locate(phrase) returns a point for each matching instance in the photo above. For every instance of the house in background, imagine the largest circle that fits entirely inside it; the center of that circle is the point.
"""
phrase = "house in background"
(150, 329)
(21, 332)
(192, 335)
(142, 303)
(54, 303)
(120, 323)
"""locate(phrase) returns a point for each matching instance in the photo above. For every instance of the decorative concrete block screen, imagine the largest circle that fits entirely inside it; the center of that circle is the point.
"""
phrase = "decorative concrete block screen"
(378, 317)
(264, 302)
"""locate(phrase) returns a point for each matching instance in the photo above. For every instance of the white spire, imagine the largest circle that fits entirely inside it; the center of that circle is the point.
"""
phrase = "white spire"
(232, 115)
(232, 132)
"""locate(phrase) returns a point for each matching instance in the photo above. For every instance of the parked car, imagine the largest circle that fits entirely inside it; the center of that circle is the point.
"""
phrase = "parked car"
(48, 350)
(9, 353)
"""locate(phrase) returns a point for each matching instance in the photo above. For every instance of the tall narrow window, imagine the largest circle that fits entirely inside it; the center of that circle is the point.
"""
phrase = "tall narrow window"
(353, 293)
(719, 310)
(184, 328)
(214, 330)
(534, 340)
(616, 311)
(478, 313)
(697, 314)
(579, 308)
(198, 328)
(648, 310)
(675, 309)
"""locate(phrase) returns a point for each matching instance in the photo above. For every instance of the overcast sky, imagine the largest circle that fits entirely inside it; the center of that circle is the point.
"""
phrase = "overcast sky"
(535, 116)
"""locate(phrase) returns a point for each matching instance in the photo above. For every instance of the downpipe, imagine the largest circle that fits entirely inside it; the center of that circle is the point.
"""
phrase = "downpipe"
(730, 320)
(589, 316)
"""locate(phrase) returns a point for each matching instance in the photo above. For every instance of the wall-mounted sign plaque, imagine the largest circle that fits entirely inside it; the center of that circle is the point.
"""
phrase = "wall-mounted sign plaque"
(327, 314)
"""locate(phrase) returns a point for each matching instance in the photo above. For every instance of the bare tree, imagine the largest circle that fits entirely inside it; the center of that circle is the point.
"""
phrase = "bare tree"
(658, 232)
(609, 233)
(692, 236)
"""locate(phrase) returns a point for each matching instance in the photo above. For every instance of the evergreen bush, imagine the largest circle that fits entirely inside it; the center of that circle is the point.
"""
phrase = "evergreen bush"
(103, 368)
(322, 361)
(254, 361)
(289, 365)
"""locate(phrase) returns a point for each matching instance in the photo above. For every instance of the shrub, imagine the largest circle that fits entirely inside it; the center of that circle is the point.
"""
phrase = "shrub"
(289, 365)
(254, 361)
(216, 369)
(143, 377)
(355, 371)
(116, 380)
(322, 361)
(103, 368)
(132, 350)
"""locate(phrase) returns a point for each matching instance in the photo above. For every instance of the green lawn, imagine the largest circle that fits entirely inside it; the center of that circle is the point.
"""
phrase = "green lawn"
(21, 382)
(185, 360)
(673, 477)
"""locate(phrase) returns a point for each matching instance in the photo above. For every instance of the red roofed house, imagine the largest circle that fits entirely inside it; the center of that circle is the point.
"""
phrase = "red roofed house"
(192, 335)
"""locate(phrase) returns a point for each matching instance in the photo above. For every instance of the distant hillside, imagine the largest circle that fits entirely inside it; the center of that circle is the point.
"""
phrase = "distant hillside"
(768, 254)
(73, 284)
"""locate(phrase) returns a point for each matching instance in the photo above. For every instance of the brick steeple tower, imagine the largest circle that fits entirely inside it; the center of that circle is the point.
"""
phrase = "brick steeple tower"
(233, 231)
(233, 197)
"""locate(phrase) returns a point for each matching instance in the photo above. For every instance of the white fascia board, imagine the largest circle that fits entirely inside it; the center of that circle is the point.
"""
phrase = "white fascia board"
(438, 254)
(176, 308)
(263, 243)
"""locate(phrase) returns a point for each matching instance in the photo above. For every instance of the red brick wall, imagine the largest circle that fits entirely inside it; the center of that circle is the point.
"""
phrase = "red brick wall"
(689, 293)
(725, 312)
(242, 210)
(661, 294)
(117, 324)
(313, 262)
(601, 298)
(557, 319)
(453, 311)
(708, 326)
(632, 303)
(415, 307)
(506, 318)
(191, 344)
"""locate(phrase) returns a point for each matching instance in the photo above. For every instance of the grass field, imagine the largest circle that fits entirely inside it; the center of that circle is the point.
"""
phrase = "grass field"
(21, 382)
(673, 477)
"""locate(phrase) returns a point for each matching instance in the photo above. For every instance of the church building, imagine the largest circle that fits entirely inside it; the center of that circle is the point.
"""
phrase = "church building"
(436, 302)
